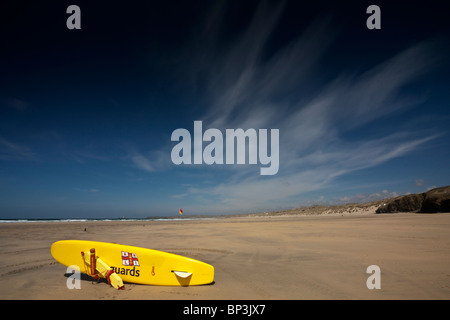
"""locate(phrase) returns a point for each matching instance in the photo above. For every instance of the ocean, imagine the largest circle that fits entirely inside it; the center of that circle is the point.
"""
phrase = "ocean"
(101, 219)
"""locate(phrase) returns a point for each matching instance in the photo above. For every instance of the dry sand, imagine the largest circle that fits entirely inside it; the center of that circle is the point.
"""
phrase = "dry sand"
(272, 257)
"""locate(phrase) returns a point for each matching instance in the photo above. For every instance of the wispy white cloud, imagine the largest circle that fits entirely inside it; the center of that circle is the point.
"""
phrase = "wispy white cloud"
(419, 182)
(364, 198)
(91, 190)
(14, 151)
(142, 163)
(248, 91)
(245, 87)
(152, 161)
(15, 103)
(179, 196)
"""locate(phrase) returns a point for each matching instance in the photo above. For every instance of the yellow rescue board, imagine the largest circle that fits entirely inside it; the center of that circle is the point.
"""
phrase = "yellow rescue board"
(136, 264)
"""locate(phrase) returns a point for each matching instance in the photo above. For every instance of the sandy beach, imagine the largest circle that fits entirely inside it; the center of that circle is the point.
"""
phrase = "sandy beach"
(271, 257)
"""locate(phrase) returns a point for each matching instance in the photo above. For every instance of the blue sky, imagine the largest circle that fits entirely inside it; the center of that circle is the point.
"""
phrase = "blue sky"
(86, 116)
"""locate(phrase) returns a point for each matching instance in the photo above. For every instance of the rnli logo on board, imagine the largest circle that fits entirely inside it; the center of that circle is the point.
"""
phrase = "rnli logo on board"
(129, 259)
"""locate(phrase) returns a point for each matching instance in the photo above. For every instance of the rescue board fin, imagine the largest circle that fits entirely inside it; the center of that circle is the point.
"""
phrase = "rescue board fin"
(182, 274)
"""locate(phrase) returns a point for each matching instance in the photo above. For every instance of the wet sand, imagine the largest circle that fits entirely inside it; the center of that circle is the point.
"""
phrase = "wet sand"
(272, 257)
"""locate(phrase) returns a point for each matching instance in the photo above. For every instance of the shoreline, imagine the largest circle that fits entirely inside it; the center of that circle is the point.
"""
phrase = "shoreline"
(316, 210)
